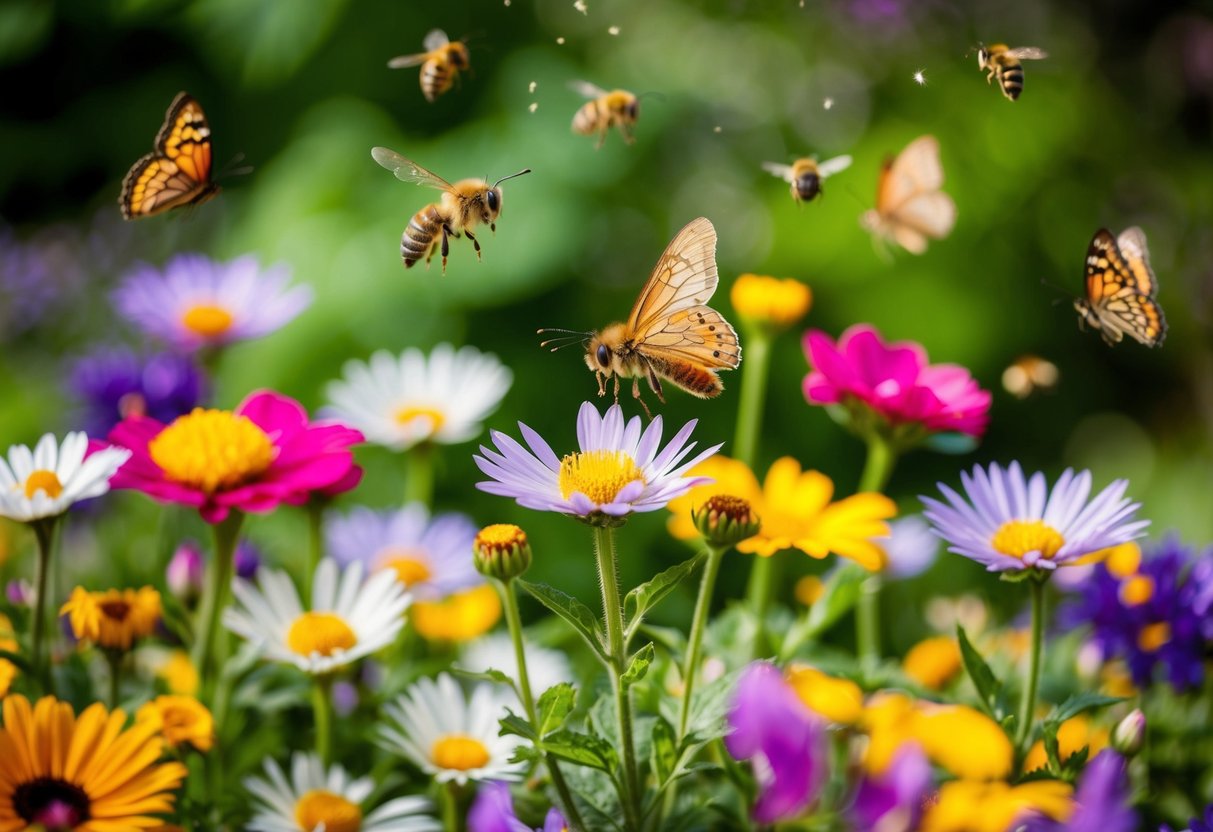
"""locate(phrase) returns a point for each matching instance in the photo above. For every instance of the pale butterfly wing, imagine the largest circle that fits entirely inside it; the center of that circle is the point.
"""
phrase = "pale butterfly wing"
(436, 39)
(784, 172)
(910, 208)
(832, 166)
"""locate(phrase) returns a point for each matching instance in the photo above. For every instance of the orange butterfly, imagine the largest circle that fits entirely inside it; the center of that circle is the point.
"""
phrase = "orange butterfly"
(178, 171)
(910, 207)
(1121, 288)
(671, 334)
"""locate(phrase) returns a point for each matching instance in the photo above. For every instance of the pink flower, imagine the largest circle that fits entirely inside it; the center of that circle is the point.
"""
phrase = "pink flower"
(895, 381)
(254, 458)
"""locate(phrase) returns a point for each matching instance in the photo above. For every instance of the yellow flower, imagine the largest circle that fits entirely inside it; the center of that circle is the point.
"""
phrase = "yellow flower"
(795, 511)
(462, 616)
(1073, 734)
(86, 773)
(838, 700)
(968, 806)
(179, 674)
(115, 618)
(769, 301)
(181, 720)
(1117, 681)
(933, 662)
(809, 590)
(894, 719)
(8, 670)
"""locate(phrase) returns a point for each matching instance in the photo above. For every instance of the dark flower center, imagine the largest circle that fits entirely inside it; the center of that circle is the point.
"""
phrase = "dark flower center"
(115, 610)
(57, 805)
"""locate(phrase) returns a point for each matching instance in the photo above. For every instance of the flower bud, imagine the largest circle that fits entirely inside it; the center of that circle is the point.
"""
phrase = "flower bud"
(19, 592)
(725, 520)
(501, 551)
(246, 560)
(769, 302)
(1130, 734)
(184, 574)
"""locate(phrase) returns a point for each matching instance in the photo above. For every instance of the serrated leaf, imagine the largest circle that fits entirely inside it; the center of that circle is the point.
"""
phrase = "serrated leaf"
(709, 706)
(1052, 747)
(638, 666)
(554, 706)
(983, 678)
(511, 723)
(1079, 703)
(650, 593)
(581, 749)
(664, 756)
(571, 610)
(493, 675)
(524, 753)
(1075, 763)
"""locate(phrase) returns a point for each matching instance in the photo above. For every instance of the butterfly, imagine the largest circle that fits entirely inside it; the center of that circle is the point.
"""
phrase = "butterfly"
(178, 171)
(910, 207)
(672, 333)
(1121, 288)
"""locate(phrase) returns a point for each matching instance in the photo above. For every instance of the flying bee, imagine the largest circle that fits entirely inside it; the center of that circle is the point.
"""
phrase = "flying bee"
(671, 333)
(441, 63)
(1004, 64)
(604, 110)
(806, 175)
(463, 205)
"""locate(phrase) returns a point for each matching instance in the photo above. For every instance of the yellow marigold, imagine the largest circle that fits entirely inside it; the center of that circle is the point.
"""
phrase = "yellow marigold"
(971, 806)
(179, 674)
(838, 700)
(462, 616)
(8, 670)
(114, 618)
(769, 301)
(933, 662)
(795, 511)
(894, 719)
(1073, 735)
(181, 720)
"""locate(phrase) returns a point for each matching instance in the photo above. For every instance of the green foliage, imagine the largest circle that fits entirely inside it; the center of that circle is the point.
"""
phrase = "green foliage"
(571, 610)
(650, 593)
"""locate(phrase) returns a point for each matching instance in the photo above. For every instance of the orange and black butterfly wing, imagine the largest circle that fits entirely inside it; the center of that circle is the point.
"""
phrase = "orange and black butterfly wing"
(1121, 286)
(178, 171)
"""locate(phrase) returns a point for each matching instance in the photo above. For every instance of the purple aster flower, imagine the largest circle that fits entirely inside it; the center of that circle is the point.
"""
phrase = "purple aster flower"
(431, 556)
(893, 800)
(619, 469)
(781, 737)
(493, 811)
(195, 302)
(1010, 523)
(1101, 801)
(37, 277)
(1204, 823)
(114, 383)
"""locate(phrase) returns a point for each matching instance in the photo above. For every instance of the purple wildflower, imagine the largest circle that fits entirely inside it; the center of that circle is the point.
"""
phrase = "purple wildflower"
(1101, 802)
(493, 811)
(114, 383)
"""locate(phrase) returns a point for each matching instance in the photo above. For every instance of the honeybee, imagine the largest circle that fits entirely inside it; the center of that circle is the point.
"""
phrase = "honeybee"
(1004, 64)
(1029, 374)
(671, 333)
(805, 175)
(441, 63)
(463, 205)
(617, 108)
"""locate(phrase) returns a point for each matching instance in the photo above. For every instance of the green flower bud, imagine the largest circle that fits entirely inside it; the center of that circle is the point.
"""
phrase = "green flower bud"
(725, 520)
(1130, 734)
(501, 551)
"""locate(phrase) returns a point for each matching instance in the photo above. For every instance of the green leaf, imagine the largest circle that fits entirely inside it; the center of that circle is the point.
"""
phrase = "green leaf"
(650, 593)
(709, 706)
(571, 610)
(984, 680)
(554, 706)
(581, 749)
(490, 675)
(524, 753)
(839, 596)
(664, 756)
(1075, 763)
(1079, 703)
(638, 666)
(511, 723)
(1052, 747)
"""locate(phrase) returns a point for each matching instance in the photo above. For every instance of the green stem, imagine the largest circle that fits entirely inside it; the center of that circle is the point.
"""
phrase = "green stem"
(452, 819)
(323, 712)
(419, 473)
(44, 530)
(745, 449)
(876, 473)
(315, 546)
(514, 623)
(612, 610)
(698, 626)
(1027, 704)
(114, 658)
(219, 578)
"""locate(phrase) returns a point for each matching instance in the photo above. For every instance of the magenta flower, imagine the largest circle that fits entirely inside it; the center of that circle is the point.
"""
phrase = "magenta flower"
(783, 739)
(895, 382)
(252, 459)
(893, 799)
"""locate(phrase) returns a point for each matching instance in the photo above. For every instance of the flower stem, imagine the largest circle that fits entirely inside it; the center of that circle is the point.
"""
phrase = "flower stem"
(44, 530)
(698, 625)
(219, 578)
(452, 820)
(323, 713)
(604, 549)
(315, 545)
(1027, 703)
(514, 623)
(114, 659)
(745, 449)
(876, 473)
(419, 473)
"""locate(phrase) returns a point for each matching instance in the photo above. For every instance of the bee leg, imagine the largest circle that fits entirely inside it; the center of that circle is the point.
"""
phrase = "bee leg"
(636, 395)
(601, 383)
(446, 246)
(626, 132)
(616, 389)
(475, 244)
(655, 385)
(601, 139)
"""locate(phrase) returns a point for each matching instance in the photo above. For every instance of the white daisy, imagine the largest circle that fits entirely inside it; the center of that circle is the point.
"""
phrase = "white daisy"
(348, 618)
(545, 667)
(320, 800)
(401, 401)
(46, 482)
(449, 736)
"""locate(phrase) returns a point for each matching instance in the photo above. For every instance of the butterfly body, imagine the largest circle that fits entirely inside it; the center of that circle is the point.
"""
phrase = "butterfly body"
(806, 175)
(1121, 289)
(178, 172)
(440, 64)
(910, 207)
(1003, 63)
(604, 110)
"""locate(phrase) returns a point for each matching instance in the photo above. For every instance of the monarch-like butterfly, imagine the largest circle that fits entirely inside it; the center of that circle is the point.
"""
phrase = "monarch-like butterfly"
(1121, 288)
(910, 207)
(178, 171)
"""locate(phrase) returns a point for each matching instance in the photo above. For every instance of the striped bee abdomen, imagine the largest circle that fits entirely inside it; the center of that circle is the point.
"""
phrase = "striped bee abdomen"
(437, 76)
(1011, 78)
(422, 234)
(586, 120)
(695, 380)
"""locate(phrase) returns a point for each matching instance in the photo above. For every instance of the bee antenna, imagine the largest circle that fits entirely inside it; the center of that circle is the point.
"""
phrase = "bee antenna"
(511, 176)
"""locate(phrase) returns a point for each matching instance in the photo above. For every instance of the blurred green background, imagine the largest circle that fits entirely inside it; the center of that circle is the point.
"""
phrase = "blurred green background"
(1113, 129)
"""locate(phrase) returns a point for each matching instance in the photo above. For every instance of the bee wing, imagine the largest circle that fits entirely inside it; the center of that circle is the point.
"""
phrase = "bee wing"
(784, 172)
(832, 166)
(406, 170)
(435, 39)
(1027, 53)
(586, 89)
(405, 61)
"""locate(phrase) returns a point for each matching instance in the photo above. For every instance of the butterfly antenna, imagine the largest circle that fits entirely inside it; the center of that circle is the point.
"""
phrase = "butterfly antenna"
(1059, 289)
(511, 176)
(234, 168)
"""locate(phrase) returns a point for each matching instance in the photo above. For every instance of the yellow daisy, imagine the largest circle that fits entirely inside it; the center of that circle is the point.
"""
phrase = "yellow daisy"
(459, 617)
(973, 806)
(113, 619)
(181, 720)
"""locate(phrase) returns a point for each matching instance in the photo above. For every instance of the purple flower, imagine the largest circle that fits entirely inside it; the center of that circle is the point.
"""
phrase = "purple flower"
(114, 383)
(781, 737)
(910, 547)
(893, 800)
(195, 302)
(1101, 801)
(493, 811)
(185, 571)
(247, 560)
(38, 277)
(1204, 823)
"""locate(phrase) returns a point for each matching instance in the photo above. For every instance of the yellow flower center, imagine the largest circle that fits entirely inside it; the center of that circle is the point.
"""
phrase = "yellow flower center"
(212, 450)
(207, 320)
(320, 632)
(459, 752)
(332, 810)
(1137, 590)
(500, 536)
(1018, 538)
(599, 475)
(1153, 637)
(435, 417)
(43, 480)
(409, 566)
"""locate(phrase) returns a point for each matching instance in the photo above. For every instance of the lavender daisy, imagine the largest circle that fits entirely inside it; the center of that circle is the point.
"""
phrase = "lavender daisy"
(114, 383)
(618, 470)
(1009, 523)
(432, 556)
(196, 302)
